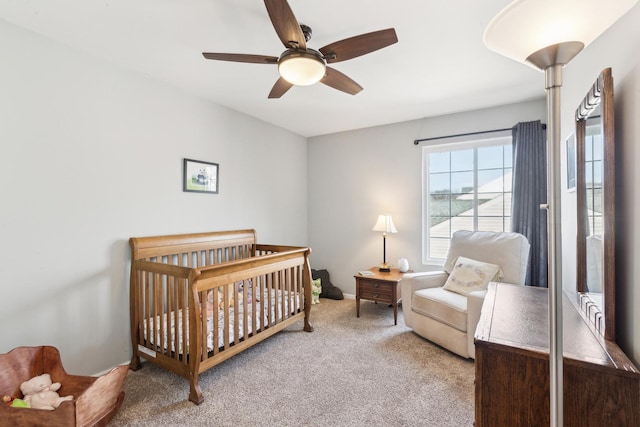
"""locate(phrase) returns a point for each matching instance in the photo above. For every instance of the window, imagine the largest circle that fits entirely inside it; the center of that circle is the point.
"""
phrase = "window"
(466, 186)
(593, 177)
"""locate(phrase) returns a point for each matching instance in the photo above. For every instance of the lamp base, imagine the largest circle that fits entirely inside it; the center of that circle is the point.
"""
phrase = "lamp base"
(384, 268)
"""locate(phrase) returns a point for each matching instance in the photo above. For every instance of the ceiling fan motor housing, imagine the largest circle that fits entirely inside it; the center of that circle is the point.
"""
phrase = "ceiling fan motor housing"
(306, 30)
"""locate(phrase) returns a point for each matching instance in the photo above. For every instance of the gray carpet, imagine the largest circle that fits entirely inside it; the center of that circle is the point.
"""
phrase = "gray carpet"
(348, 372)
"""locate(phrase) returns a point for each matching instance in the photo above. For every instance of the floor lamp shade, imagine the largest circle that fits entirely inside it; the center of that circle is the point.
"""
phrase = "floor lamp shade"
(525, 27)
(547, 34)
(385, 225)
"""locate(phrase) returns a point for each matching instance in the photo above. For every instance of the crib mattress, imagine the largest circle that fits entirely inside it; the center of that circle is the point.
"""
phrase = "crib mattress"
(169, 321)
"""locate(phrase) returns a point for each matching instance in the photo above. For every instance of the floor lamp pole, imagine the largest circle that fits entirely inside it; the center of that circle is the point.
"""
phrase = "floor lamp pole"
(553, 84)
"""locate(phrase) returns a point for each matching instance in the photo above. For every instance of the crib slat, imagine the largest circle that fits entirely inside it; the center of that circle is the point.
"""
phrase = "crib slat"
(167, 314)
(300, 290)
(147, 310)
(294, 287)
(245, 308)
(204, 310)
(225, 308)
(184, 304)
(290, 276)
(159, 311)
(143, 323)
(270, 282)
(216, 325)
(236, 314)
(173, 339)
(283, 298)
(172, 321)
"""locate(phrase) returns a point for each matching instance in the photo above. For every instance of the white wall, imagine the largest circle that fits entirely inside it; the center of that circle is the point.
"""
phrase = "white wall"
(92, 155)
(355, 176)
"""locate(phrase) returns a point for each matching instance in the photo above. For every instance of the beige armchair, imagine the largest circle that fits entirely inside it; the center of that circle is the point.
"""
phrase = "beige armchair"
(444, 306)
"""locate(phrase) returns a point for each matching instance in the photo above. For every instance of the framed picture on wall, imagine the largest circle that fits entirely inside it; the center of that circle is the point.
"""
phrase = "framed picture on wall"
(200, 177)
(571, 163)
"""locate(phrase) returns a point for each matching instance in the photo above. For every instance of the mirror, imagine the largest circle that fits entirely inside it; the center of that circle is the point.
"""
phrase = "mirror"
(595, 197)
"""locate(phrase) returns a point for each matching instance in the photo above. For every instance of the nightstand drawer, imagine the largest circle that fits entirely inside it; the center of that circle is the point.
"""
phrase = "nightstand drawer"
(376, 296)
(376, 288)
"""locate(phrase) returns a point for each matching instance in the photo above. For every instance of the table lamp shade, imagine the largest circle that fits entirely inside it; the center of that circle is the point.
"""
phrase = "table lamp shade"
(385, 224)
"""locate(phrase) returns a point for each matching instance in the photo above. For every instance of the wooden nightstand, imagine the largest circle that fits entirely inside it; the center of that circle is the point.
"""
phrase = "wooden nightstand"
(379, 287)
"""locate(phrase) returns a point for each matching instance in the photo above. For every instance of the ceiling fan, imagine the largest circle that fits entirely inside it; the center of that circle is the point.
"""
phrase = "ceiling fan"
(301, 66)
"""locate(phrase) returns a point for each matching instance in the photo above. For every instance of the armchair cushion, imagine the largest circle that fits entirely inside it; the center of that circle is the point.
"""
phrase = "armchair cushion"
(446, 307)
(470, 275)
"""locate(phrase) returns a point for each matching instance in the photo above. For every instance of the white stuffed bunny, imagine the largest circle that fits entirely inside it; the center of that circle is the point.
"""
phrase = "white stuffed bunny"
(40, 393)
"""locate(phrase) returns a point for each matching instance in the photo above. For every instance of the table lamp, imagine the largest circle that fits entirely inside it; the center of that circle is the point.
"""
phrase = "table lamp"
(384, 224)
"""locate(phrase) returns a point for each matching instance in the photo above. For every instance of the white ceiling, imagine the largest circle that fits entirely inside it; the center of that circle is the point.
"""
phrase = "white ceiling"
(439, 65)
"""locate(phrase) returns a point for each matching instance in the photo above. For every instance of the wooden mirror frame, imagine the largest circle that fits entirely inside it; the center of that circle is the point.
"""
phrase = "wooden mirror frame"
(601, 94)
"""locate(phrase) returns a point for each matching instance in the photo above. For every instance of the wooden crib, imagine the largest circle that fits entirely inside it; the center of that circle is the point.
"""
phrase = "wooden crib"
(198, 299)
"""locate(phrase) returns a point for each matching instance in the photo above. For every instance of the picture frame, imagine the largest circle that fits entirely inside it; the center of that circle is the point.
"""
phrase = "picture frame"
(200, 177)
(571, 163)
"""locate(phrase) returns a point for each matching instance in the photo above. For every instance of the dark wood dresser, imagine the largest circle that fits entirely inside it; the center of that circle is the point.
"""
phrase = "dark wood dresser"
(601, 385)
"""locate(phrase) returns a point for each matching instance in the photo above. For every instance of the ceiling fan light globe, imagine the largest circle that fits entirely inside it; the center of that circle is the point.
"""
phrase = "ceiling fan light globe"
(301, 68)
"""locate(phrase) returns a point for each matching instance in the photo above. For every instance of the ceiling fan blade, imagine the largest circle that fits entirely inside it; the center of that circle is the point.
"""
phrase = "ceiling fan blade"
(280, 88)
(337, 80)
(285, 24)
(240, 57)
(358, 45)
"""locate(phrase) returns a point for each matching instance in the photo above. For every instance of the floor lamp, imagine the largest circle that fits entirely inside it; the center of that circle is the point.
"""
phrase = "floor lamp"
(547, 34)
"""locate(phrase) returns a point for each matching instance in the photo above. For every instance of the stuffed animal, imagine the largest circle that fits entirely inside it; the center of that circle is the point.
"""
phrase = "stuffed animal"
(316, 290)
(40, 393)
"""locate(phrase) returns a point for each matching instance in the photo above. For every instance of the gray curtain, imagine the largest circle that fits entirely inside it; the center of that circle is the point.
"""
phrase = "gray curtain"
(529, 192)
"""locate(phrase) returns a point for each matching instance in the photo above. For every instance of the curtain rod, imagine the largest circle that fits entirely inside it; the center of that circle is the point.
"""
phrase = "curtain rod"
(418, 141)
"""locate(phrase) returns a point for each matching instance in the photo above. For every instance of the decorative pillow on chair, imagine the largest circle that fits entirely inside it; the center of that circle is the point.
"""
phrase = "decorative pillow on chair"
(470, 275)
